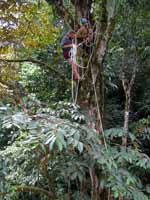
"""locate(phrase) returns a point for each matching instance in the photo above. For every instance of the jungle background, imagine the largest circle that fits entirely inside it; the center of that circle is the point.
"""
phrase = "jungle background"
(51, 148)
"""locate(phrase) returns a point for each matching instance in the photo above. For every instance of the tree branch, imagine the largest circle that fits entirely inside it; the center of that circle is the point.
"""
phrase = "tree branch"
(37, 62)
(134, 71)
(3, 193)
(105, 28)
(104, 16)
(31, 189)
(35, 190)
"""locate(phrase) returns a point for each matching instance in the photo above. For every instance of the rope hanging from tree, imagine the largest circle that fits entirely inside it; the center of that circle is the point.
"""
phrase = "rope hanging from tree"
(75, 90)
(73, 56)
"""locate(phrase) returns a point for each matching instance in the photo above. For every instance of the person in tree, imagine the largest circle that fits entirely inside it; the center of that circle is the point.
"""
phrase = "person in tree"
(85, 33)
(68, 43)
(84, 36)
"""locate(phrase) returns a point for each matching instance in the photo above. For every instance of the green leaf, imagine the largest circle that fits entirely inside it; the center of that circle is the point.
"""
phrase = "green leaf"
(52, 136)
(77, 136)
(74, 176)
(80, 147)
(60, 137)
(116, 194)
(59, 145)
(43, 148)
(70, 140)
(51, 144)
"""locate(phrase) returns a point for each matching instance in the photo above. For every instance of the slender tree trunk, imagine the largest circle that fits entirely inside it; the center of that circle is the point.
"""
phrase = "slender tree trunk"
(126, 116)
(95, 186)
(127, 86)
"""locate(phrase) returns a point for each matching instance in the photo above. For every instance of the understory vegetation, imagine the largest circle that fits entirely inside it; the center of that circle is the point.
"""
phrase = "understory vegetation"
(52, 147)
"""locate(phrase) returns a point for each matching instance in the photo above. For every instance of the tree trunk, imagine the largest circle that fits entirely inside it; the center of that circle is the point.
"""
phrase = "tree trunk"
(95, 186)
(126, 117)
(127, 86)
(92, 88)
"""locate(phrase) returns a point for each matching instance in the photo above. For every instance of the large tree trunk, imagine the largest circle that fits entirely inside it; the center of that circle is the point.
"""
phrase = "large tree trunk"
(92, 88)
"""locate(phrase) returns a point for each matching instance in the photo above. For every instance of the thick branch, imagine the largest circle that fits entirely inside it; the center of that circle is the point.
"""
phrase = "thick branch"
(33, 189)
(104, 16)
(37, 62)
(104, 32)
(3, 193)
(3, 85)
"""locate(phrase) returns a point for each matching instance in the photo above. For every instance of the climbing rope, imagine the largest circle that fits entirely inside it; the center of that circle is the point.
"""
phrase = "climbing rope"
(73, 53)
(96, 98)
(73, 57)
(98, 110)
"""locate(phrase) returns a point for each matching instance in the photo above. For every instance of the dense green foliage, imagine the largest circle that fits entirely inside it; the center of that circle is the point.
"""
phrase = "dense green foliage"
(50, 148)
(64, 151)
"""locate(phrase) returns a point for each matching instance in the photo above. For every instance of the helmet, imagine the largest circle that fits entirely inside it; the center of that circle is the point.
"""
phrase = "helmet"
(84, 21)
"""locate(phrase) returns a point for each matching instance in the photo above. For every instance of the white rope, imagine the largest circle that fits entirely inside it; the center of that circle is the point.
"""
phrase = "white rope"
(96, 98)
(99, 113)
(75, 96)
(73, 56)
(73, 53)
(82, 67)
(72, 85)
(77, 90)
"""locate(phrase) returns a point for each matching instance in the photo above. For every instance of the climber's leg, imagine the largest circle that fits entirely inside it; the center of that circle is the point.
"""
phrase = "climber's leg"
(75, 70)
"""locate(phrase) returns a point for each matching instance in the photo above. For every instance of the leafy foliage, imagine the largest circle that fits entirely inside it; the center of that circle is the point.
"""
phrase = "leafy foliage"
(65, 151)
(25, 27)
(51, 152)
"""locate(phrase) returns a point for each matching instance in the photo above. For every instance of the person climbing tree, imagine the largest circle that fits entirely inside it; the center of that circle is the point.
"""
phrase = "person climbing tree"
(85, 32)
(84, 35)
(68, 43)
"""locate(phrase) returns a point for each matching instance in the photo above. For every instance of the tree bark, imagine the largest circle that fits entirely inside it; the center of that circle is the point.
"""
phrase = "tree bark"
(103, 34)
(127, 86)
(95, 186)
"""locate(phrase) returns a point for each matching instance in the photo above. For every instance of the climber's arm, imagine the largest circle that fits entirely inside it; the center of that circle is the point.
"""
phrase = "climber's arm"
(67, 45)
